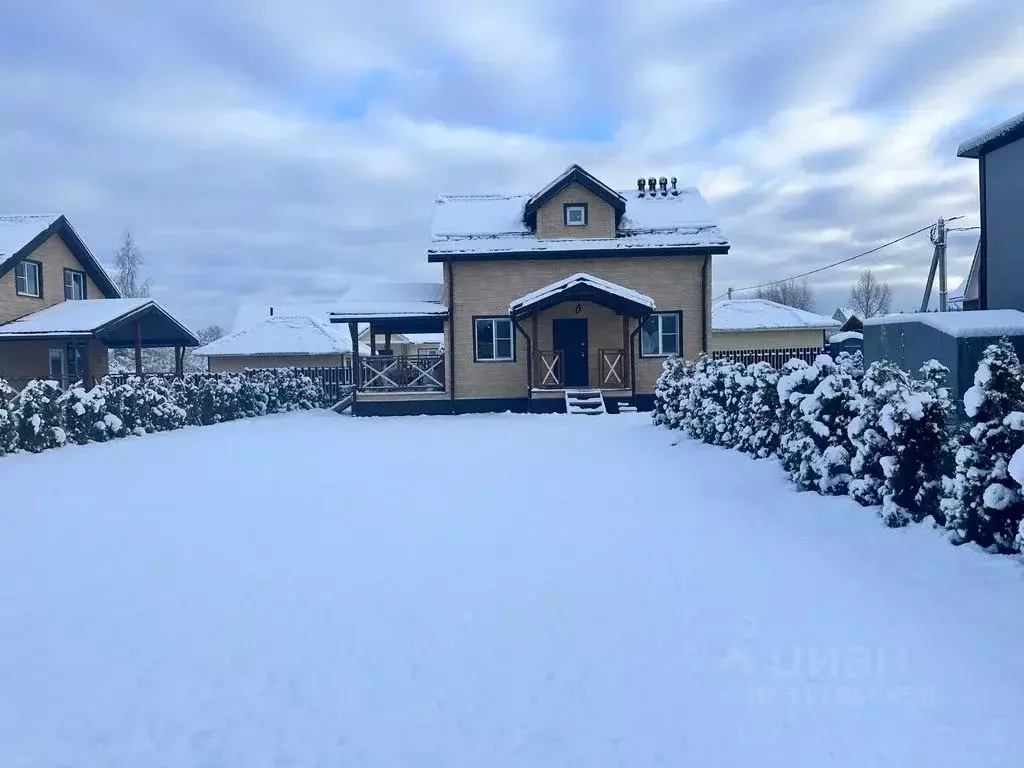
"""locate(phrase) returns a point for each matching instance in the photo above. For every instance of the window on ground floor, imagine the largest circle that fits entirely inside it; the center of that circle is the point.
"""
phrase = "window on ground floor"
(76, 362)
(492, 339)
(660, 334)
(28, 279)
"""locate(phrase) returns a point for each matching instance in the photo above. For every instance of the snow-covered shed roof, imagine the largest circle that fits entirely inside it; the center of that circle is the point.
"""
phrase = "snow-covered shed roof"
(971, 323)
(846, 336)
(761, 314)
(98, 317)
(583, 287)
(485, 225)
(20, 234)
(281, 335)
(995, 137)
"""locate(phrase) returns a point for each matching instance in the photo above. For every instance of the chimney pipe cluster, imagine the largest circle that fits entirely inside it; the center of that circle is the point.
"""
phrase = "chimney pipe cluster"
(653, 186)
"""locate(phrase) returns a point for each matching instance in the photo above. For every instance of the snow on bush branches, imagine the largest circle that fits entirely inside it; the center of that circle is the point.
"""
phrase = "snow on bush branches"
(42, 417)
(882, 436)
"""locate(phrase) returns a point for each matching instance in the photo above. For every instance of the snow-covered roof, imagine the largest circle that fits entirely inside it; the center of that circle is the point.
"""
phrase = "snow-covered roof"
(251, 313)
(986, 322)
(17, 230)
(844, 314)
(371, 310)
(281, 335)
(846, 336)
(580, 279)
(71, 318)
(997, 136)
(489, 224)
(968, 288)
(761, 314)
(425, 338)
(394, 292)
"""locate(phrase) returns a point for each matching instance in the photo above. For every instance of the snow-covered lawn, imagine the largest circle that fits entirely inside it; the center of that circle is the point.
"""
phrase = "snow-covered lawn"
(315, 590)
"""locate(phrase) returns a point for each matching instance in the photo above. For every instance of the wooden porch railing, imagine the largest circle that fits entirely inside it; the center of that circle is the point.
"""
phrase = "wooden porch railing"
(611, 368)
(549, 372)
(396, 373)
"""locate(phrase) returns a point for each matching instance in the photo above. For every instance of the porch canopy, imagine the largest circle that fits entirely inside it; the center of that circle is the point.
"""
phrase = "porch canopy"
(116, 323)
(583, 287)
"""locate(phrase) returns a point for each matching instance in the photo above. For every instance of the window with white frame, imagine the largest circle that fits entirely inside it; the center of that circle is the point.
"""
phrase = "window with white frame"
(493, 339)
(74, 285)
(27, 279)
(659, 336)
(575, 214)
(57, 364)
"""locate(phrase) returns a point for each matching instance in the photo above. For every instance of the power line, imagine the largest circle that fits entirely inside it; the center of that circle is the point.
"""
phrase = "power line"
(838, 263)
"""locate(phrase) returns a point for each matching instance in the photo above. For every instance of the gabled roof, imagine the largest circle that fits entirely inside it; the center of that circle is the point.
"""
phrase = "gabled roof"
(21, 234)
(493, 226)
(968, 288)
(249, 314)
(842, 314)
(280, 335)
(574, 174)
(102, 318)
(761, 314)
(995, 137)
(583, 287)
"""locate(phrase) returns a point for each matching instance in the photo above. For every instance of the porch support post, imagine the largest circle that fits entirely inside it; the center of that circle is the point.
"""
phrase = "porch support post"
(535, 338)
(373, 342)
(632, 357)
(357, 367)
(387, 343)
(529, 362)
(138, 349)
(627, 359)
(179, 361)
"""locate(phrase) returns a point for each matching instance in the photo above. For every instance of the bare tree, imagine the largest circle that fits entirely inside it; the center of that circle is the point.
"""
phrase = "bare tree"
(870, 296)
(792, 293)
(128, 261)
(209, 333)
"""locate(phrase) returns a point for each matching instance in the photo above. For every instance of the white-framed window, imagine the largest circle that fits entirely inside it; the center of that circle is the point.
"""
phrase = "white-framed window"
(28, 279)
(660, 334)
(57, 365)
(575, 214)
(74, 285)
(492, 339)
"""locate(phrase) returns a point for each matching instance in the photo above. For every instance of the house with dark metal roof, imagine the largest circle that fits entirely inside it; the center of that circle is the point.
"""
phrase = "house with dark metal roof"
(60, 312)
(566, 299)
(996, 279)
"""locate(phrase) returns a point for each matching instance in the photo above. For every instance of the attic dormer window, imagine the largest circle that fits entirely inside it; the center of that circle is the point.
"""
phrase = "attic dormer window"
(575, 214)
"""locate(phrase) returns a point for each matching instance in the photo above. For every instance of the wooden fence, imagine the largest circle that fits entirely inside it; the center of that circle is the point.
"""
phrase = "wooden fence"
(775, 357)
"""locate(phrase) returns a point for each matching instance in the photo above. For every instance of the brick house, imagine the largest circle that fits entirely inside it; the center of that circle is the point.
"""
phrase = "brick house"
(569, 299)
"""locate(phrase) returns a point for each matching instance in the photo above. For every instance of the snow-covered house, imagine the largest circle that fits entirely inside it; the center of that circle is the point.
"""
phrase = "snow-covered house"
(569, 298)
(739, 325)
(280, 341)
(998, 273)
(60, 312)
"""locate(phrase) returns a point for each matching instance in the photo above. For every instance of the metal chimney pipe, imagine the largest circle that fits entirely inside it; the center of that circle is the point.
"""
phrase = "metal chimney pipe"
(663, 184)
(640, 185)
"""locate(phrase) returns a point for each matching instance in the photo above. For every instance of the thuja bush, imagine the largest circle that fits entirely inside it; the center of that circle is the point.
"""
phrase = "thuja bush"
(39, 420)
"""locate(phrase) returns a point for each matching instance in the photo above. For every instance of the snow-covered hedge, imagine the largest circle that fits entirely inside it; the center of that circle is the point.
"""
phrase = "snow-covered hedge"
(881, 436)
(42, 417)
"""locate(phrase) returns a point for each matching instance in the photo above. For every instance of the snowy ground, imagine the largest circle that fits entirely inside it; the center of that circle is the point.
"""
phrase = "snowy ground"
(314, 590)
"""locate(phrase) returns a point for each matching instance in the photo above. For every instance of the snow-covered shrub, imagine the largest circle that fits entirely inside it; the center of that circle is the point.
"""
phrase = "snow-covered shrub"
(295, 392)
(816, 404)
(87, 417)
(870, 442)
(670, 392)
(126, 403)
(8, 430)
(983, 502)
(759, 422)
(38, 417)
(160, 412)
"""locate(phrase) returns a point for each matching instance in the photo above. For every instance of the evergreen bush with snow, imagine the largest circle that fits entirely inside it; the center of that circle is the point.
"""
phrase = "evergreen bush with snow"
(38, 417)
(671, 391)
(983, 501)
(87, 417)
(8, 430)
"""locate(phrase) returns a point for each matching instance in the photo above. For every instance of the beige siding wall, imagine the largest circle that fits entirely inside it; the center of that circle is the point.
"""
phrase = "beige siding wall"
(230, 363)
(722, 340)
(487, 288)
(24, 360)
(54, 256)
(551, 217)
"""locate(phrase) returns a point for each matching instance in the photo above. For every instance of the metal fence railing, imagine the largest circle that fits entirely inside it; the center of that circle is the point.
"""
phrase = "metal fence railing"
(774, 357)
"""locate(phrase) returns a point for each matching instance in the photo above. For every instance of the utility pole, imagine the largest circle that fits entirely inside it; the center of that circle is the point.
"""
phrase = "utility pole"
(938, 238)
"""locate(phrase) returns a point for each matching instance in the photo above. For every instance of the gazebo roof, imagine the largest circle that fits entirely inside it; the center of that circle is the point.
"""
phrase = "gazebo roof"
(112, 321)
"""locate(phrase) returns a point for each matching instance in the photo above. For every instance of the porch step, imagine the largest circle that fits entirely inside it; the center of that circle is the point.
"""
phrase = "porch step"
(344, 403)
(589, 402)
(626, 407)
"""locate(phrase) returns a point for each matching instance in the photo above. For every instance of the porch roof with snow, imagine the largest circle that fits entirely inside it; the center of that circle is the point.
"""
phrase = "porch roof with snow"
(394, 307)
(500, 226)
(762, 315)
(281, 335)
(584, 287)
(112, 321)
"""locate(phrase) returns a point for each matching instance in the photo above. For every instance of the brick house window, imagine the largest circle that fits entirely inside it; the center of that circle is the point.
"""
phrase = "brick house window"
(659, 336)
(28, 279)
(492, 340)
(74, 285)
(575, 214)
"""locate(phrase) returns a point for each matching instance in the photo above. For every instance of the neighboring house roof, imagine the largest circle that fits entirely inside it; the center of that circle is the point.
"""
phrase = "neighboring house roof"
(574, 174)
(968, 288)
(21, 234)
(280, 335)
(394, 292)
(490, 225)
(761, 315)
(250, 314)
(842, 314)
(97, 317)
(424, 338)
(987, 322)
(583, 287)
(995, 137)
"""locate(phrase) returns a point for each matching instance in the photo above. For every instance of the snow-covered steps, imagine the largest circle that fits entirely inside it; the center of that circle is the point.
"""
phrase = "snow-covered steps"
(345, 402)
(588, 402)
(626, 407)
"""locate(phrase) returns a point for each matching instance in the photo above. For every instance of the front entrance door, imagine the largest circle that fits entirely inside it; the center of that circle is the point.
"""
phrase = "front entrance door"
(570, 336)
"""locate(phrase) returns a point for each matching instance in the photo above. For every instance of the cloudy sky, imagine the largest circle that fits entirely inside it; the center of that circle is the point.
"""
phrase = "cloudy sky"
(277, 151)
